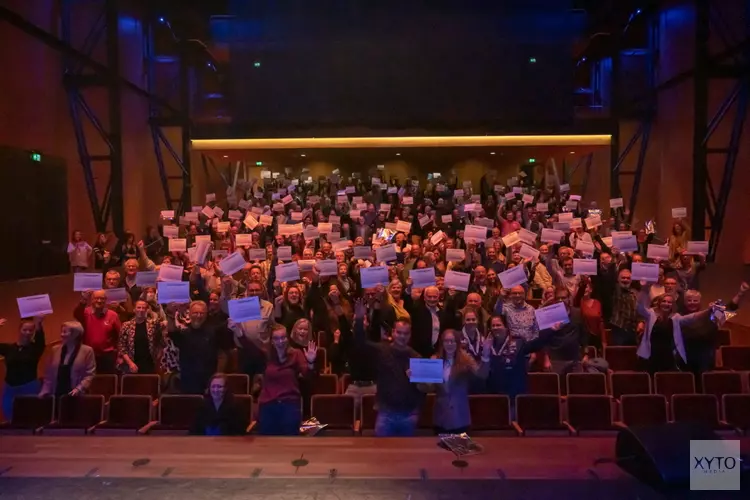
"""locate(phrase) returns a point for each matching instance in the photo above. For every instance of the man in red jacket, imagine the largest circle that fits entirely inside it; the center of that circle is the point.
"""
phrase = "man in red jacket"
(101, 329)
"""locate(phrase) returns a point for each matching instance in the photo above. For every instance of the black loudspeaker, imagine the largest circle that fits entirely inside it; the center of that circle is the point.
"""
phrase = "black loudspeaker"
(660, 455)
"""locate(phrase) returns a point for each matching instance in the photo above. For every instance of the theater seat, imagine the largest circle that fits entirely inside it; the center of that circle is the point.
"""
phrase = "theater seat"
(324, 384)
(544, 384)
(238, 384)
(344, 381)
(127, 413)
(77, 414)
(490, 414)
(735, 357)
(590, 414)
(337, 411)
(141, 385)
(425, 422)
(670, 383)
(621, 358)
(244, 403)
(30, 414)
(321, 361)
(640, 410)
(539, 415)
(103, 385)
(586, 383)
(368, 414)
(629, 383)
(737, 411)
(698, 408)
(720, 383)
(176, 414)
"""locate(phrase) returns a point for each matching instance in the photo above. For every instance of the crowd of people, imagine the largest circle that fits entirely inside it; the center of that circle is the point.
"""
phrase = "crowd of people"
(380, 272)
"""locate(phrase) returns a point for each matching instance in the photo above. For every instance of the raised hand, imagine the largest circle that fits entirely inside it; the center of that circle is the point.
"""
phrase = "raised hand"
(359, 309)
(311, 352)
(487, 347)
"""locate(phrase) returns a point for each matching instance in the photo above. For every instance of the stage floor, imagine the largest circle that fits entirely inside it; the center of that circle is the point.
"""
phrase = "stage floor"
(305, 468)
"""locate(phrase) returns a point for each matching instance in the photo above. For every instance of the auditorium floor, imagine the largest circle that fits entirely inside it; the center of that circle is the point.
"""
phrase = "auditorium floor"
(309, 468)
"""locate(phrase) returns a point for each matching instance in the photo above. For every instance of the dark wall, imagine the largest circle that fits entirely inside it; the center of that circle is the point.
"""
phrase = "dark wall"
(430, 65)
(34, 232)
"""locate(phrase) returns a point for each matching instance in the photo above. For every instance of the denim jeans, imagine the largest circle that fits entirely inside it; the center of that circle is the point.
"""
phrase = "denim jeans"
(396, 423)
(9, 392)
(280, 418)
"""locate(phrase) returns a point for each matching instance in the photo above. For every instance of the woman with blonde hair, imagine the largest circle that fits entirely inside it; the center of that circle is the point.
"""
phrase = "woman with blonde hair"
(451, 413)
(71, 366)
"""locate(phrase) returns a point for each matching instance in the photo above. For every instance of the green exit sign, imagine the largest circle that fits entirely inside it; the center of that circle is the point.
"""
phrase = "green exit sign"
(259, 163)
(36, 157)
(532, 160)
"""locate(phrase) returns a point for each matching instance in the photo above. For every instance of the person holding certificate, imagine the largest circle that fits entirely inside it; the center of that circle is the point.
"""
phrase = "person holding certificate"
(21, 360)
(451, 413)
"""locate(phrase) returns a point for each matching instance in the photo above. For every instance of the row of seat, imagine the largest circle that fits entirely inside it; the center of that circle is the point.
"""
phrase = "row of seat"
(576, 414)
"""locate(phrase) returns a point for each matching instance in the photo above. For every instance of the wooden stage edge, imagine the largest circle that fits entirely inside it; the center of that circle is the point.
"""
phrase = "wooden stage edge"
(548, 458)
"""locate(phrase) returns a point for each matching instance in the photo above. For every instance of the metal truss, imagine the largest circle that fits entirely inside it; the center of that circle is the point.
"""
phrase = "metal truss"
(709, 205)
(157, 121)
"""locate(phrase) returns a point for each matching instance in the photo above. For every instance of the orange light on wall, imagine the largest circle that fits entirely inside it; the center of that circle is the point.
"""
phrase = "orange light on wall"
(402, 142)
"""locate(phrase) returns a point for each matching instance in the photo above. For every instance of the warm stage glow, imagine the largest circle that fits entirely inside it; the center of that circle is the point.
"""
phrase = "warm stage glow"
(403, 142)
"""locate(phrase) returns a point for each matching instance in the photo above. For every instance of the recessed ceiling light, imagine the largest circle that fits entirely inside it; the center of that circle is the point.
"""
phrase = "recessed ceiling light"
(226, 156)
(492, 153)
(572, 152)
(398, 154)
(302, 155)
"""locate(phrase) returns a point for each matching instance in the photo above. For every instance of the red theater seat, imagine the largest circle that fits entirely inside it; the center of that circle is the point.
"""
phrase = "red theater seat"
(544, 384)
(127, 414)
(621, 358)
(490, 413)
(643, 410)
(337, 411)
(176, 414)
(539, 414)
(589, 413)
(77, 415)
(630, 383)
(30, 414)
(586, 383)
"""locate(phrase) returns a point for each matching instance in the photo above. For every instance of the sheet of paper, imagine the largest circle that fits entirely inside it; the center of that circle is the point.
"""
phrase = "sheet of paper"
(84, 282)
(169, 272)
(528, 237)
(223, 227)
(565, 217)
(254, 254)
(116, 295)
(422, 278)
(547, 317)
(403, 226)
(287, 272)
(146, 278)
(340, 245)
(615, 203)
(511, 239)
(585, 266)
(371, 277)
(232, 264)
(645, 272)
(528, 252)
(426, 371)
(363, 252)
(585, 247)
(625, 243)
(170, 231)
(327, 267)
(245, 309)
(447, 219)
(437, 238)
(621, 233)
(679, 213)
(593, 221)
(513, 276)
(177, 292)
(697, 247)
(475, 233)
(386, 253)
(457, 280)
(455, 254)
(542, 207)
(178, 245)
(552, 235)
(306, 265)
(243, 239)
(284, 253)
(658, 252)
(34, 305)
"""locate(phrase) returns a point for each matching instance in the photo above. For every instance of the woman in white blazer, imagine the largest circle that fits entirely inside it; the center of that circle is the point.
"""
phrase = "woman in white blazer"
(71, 366)
(662, 347)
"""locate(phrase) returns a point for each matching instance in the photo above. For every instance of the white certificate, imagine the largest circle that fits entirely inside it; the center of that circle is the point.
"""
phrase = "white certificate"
(484, 221)
(363, 252)
(585, 266)
(327, 267)
(565, 217)
(291, 229)
(250, 221)
(547, 317)
(408, 200)
(34, 305)
(169, 272)
(266, 220)
(340, 245)
(528, 237)
(528, 198)
(232, 264)
(306, 265)
(403, 226)
(84, 282)
(593, 221)
(422, 278)
(447, 219)
(658, 252)
(256, 254)
(146, 278)
(552, 235)
(475, 233)
(116, 295)
(512, 277)
(528, 252)
(627, 243)
(621, 234)
(585, 247)
(457, 280)
(287, 272)
(247, 309)
(177, 292)
(210, 197)
(235, 215)
(437, 237)
(645, 272)
(426, 371)
(311, 232)
(166, 214)
(284, 253)
(615, 203)
(223, 227)
(511, 239)
(178, 245)
(697, 247)
(243, 240)
(170, 231)
(200, 252)
(386, 253)
(542, 207)
(455, 254)
(202, 237)
(371, 277)
(563, 227)
(679, 213)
